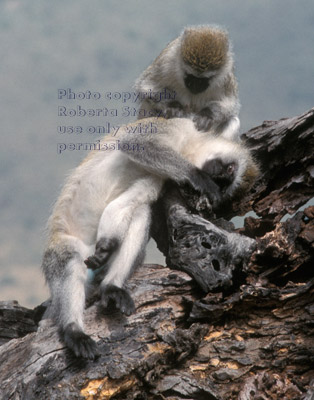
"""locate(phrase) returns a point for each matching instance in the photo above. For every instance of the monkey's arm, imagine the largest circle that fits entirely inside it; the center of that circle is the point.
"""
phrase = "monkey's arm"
(220, 116)
(161, 160)
(168, 108)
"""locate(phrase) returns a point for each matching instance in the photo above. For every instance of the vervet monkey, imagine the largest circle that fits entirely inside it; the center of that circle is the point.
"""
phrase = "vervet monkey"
(194, 77)
(103, 213)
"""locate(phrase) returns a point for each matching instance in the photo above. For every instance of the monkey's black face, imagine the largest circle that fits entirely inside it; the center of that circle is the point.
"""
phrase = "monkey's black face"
(194, 84)
(222, 173)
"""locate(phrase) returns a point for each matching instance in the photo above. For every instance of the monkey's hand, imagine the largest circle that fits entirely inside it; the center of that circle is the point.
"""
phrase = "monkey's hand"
(194, 200)
(104, 248)
(204, 184)
(173, 109)
(167, 109)
(203, 120)
(203, 204)
(216, 118)
(119, 297)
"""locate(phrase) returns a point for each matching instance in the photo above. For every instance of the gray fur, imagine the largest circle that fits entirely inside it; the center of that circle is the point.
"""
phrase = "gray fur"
(54, 262)
(215, 108)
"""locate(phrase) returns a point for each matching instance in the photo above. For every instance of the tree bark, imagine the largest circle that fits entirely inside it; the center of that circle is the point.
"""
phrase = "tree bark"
(251, 339)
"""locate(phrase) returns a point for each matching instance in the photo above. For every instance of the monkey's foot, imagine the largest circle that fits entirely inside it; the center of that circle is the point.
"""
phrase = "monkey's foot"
(120, 297)
(81, 344)
(104, 248)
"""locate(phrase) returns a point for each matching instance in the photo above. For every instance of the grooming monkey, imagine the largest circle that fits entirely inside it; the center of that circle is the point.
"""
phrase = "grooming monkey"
(103, 214)
(198, 67)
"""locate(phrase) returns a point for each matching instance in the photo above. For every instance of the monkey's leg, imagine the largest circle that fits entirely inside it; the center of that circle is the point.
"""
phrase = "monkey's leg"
(66, 274)
(113, 224)
(116, 219)
(72, 290)
(130, 254)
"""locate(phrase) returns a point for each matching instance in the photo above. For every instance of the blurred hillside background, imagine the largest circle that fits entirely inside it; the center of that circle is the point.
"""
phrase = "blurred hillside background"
(103, 46)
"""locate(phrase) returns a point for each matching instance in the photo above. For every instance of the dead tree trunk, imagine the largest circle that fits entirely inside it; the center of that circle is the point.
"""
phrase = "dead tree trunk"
(252, 339)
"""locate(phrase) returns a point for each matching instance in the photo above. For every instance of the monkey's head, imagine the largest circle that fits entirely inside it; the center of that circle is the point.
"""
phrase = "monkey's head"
(204, 51)
(223, 172)
(233, 173)
(229, 163)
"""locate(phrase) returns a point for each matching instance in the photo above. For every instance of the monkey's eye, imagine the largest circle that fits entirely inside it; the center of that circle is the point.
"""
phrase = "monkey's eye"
(230, 169)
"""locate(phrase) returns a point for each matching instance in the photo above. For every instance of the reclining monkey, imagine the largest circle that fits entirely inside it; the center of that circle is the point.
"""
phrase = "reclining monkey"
(105, 205)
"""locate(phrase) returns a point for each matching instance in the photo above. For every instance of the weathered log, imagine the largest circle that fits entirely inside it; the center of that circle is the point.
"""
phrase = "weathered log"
(15, 321)
(209, 254)
(207, 249)
(253, 340)
(284, 150)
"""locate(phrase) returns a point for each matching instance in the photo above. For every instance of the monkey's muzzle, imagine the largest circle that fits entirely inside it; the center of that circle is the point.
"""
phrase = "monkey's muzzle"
(196, 85)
